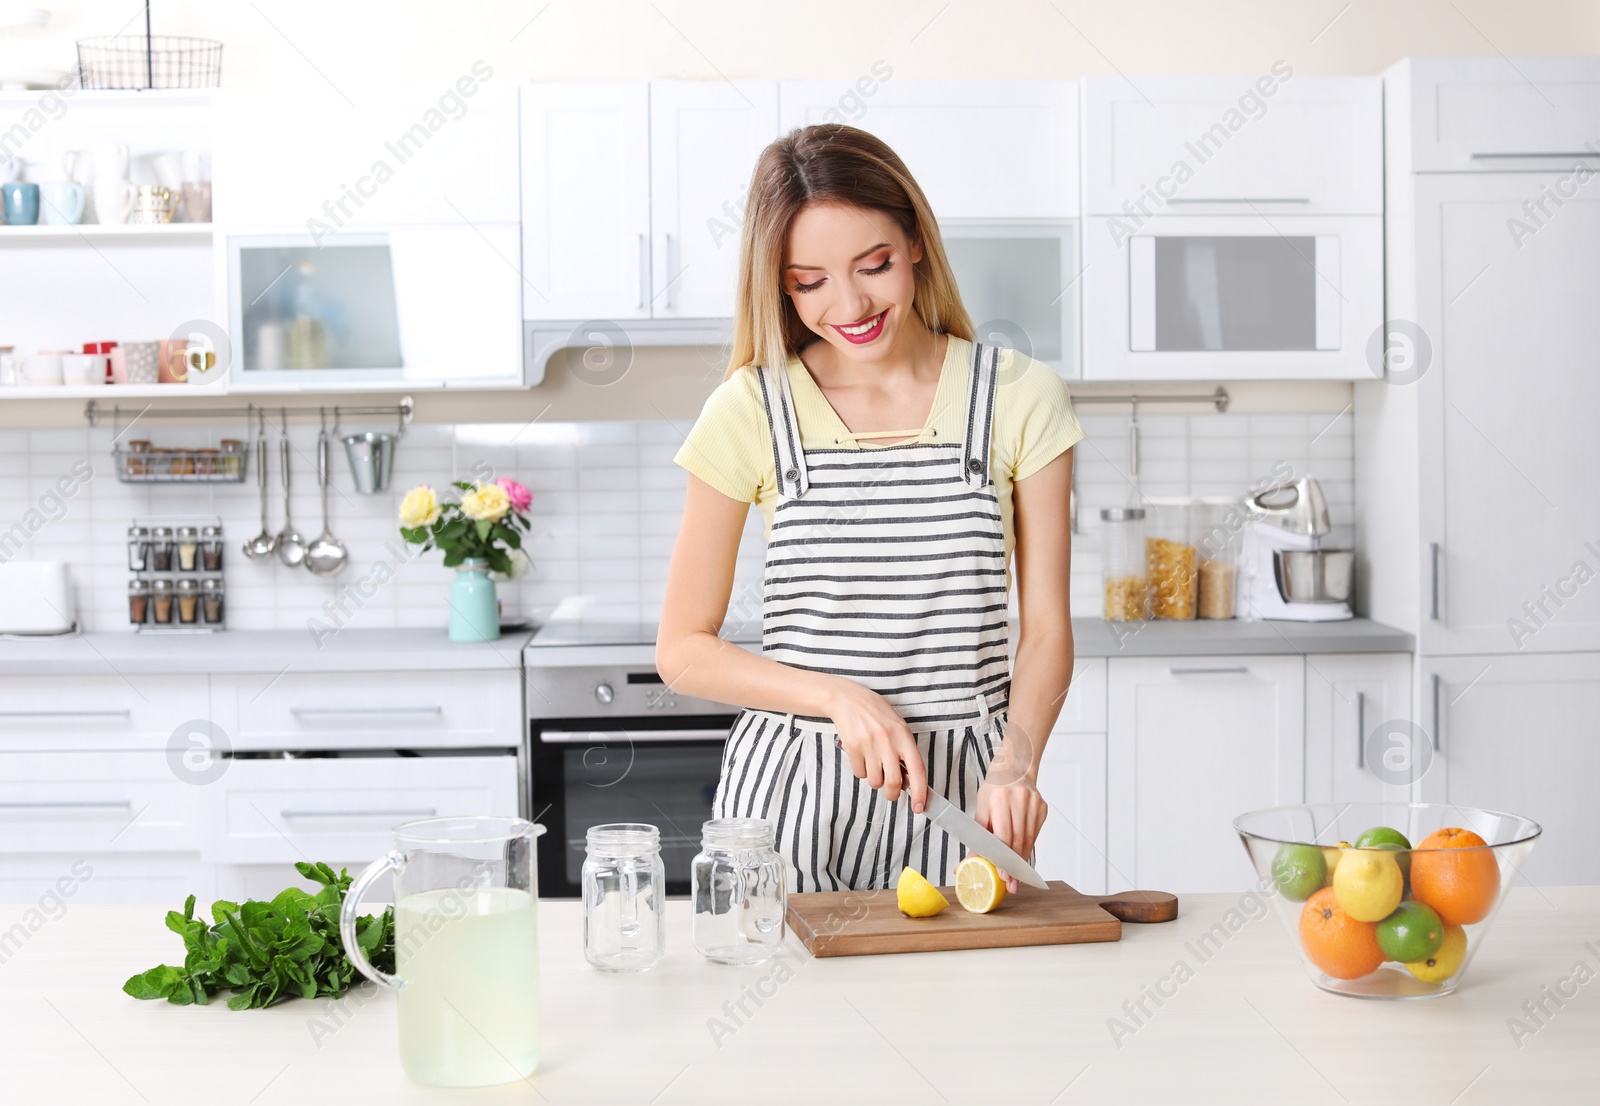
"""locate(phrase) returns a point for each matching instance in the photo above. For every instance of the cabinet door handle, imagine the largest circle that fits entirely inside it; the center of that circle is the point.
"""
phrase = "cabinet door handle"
(1361, 730)
(1551, 153)
(306, 712)
(1436, 682)
(1241, 200)
(66, 714)
(671, 273)
(1433, 603)
(421, 812)
(1234, 670)
(109, 804)
(644, 269)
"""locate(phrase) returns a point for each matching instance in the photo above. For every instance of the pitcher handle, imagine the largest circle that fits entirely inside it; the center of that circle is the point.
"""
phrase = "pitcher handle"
(392, 861)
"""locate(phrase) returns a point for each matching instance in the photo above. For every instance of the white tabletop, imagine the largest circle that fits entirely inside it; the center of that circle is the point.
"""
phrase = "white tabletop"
(995, 1026)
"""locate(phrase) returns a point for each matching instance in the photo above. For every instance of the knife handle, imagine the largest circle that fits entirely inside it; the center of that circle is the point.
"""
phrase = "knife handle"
(1140, 906)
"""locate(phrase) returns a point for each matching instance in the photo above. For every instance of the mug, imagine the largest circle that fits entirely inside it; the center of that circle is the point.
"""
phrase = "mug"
(42, 369)
(106, 349)
(153, 204)
(143, 361)
(466, 942)
(21, 203)
(174, 366)
(200, 359)
(79, 369)
(118, 364)
(113, 200)
(197, 201)
(63, 203)
(8, 368)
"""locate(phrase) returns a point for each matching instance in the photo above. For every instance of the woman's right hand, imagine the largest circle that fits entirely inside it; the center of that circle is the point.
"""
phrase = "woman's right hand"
(878, 743)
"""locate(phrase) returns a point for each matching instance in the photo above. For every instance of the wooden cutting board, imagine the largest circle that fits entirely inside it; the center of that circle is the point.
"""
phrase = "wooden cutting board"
(855, 923)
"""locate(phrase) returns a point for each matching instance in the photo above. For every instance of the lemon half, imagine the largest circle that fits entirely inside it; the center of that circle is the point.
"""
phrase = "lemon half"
(979, 887)
(917, 897)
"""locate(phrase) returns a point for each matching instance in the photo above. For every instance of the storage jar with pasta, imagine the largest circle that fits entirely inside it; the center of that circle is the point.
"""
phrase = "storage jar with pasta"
(1122, 563)
(1170, 562)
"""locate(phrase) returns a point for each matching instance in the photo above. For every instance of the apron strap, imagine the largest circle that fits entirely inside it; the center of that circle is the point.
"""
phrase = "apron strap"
(980, 415)
(788, 458)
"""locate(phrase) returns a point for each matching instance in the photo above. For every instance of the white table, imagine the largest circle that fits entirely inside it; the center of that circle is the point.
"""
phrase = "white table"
(998, 1026)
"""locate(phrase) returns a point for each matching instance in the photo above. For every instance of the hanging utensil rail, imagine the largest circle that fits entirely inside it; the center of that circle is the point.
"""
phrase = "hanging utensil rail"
(93, 413)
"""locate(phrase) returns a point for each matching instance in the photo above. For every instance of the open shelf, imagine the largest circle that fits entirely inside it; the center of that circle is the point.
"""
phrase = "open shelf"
(104, 232)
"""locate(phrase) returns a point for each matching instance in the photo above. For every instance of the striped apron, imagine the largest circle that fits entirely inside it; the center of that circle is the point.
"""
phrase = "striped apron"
(887, 566)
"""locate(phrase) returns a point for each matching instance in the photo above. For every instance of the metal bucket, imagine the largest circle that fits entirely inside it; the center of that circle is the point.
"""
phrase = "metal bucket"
(371, 459)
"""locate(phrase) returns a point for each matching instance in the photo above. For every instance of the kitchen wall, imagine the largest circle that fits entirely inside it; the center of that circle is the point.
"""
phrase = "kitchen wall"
(607, 503)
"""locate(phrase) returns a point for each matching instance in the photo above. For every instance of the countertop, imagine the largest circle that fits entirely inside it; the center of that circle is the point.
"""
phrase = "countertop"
(1005, 1026)
(350, 650)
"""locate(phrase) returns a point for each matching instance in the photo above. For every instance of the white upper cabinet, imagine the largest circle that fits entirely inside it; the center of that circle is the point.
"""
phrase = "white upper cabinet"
(409, 153)
(1493, 113)
(1278, 143)
(978, 149)
(705, 137)
(586, 200)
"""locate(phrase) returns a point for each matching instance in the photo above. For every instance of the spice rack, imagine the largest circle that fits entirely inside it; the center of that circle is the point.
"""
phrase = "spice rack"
(180, 466)
(176, 583)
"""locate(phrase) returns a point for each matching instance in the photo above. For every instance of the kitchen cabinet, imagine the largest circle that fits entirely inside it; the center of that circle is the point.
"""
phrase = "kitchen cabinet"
(978, 149)
(1072, 779)
(1192, 743)
(1349, 697)
(409, 153)
(1516, 733)
(1278, 144)
(57, 714)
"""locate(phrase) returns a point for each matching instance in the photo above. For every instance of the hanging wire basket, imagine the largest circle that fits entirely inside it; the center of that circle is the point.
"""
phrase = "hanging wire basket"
(149, 61)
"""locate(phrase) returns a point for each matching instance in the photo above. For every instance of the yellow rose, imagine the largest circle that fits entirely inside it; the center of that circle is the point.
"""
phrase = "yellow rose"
(420, 507)
(486, 503)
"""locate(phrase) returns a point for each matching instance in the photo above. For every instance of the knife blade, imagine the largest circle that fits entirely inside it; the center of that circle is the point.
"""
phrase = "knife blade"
(965, 829)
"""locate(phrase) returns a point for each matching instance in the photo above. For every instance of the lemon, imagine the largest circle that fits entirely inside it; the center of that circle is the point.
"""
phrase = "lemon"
(1330, 854)
(979, 887)
(1368, 884)
(1446, 961)
(917, 897)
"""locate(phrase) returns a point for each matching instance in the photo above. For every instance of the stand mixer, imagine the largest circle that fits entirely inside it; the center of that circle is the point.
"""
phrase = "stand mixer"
(1285, 574)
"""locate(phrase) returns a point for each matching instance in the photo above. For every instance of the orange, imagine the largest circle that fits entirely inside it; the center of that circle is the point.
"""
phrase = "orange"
(1335, 942)
(1461, 886)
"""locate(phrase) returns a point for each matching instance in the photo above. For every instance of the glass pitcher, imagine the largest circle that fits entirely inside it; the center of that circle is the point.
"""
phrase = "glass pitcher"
(466, 947)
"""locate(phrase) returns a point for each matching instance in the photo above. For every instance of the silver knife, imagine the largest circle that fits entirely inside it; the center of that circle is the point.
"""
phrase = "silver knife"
(965, 829)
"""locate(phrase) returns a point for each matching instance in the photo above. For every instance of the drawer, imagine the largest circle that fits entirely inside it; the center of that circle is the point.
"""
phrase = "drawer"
(83, 803)
(53, 713)
(338, 808)
(374, 710)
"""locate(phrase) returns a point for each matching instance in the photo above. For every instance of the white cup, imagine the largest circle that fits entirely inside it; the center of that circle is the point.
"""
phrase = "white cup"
(113, 199)
(79, 369)
(169, 170)
(42, 370)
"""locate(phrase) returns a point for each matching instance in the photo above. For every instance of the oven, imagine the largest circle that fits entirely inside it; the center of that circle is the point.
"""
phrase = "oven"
(608, 741)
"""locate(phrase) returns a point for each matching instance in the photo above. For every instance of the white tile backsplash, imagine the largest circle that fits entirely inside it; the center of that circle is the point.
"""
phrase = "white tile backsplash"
(606, 510)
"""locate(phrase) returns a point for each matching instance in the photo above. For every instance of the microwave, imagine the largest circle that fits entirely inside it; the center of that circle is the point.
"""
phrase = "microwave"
(1232, 297)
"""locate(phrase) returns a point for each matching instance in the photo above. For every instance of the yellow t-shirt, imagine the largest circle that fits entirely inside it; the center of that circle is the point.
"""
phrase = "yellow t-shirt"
(730, 447)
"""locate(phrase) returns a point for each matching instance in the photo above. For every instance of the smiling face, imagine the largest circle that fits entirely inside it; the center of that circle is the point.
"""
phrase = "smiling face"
(847, 270)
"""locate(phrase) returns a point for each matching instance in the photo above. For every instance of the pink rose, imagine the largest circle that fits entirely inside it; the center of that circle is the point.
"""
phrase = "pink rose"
(521, 498)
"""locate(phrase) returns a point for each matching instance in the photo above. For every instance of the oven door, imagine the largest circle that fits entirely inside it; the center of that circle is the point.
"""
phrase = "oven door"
(1224, 297)
(589, 772)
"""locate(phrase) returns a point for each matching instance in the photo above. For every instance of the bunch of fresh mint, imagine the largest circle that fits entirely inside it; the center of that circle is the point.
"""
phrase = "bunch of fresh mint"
(268, 951)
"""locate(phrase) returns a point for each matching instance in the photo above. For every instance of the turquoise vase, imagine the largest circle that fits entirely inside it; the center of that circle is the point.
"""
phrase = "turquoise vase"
(474, 608)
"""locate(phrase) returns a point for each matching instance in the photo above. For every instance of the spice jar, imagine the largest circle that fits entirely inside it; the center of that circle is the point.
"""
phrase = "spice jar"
(138, 601)
(161, 601)
(188, 548)
(188, 600)
(738, 889)
(1170, 562)
(206, 462)
(1219, 520)
(161, 549)
(624, 898)
(231, 460)
(159, 463)
(211, 548)
(137, 461)
(1122, 563)
(211, 592)
(138, 549)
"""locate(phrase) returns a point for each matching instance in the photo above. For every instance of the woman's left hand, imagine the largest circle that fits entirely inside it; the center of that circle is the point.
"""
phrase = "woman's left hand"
(1012, 809)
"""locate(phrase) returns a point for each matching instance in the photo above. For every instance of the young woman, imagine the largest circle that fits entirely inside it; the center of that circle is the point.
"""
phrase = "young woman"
(898, 463)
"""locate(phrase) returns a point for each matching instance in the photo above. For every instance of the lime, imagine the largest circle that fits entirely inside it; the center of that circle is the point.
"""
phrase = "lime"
(1447, 961)
(1412, 933)
(1299, 871)
(1382, 837)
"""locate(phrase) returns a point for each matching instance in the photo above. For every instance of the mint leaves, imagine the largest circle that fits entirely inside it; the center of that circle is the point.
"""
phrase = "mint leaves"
(265, 952)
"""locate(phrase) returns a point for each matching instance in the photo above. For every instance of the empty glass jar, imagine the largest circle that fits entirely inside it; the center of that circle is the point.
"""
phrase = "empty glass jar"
(738, 892)
(624, 897)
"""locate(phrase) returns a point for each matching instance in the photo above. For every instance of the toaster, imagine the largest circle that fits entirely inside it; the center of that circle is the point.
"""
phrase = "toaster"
(35, 598)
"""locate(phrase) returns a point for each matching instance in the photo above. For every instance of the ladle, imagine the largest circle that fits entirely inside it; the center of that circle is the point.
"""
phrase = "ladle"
(327, 555)
(261, 546)
(291, 546)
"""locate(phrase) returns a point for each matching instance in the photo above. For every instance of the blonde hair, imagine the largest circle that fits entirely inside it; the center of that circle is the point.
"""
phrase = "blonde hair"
(828, 163)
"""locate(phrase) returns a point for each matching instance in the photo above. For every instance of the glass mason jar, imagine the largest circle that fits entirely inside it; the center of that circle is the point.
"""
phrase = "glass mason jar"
(1219, 520)
(738, 892)
(624, 898)
(1122, 565)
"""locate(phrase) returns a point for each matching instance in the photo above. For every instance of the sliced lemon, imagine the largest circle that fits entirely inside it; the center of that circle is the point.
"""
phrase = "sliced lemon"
(979, 887)
(917, 897)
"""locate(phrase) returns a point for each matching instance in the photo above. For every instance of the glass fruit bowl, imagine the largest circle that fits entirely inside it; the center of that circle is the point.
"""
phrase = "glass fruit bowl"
(1386, 900)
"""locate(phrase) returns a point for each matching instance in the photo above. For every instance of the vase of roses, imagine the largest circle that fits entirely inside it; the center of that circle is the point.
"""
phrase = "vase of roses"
(481, 532)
